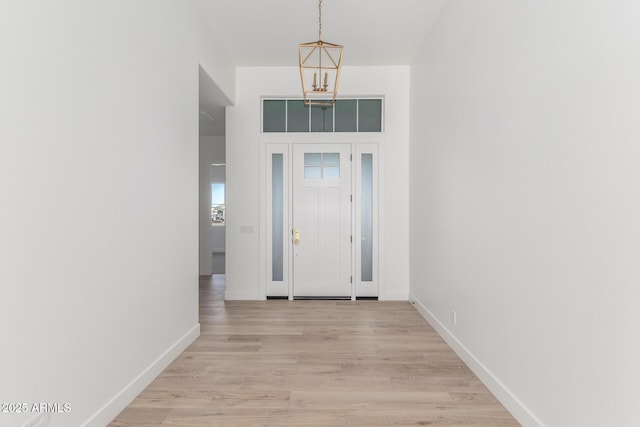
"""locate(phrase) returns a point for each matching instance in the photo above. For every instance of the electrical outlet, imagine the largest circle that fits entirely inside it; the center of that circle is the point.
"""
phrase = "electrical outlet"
(454, 317)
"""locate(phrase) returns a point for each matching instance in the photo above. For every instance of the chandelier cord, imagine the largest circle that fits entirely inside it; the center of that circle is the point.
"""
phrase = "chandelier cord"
(319, 19)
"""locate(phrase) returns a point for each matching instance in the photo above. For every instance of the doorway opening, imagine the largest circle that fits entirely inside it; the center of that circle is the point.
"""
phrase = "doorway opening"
(212, 181)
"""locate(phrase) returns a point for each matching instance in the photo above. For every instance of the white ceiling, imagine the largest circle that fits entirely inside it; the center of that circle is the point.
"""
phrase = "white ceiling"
(267, 33)
(373, 32)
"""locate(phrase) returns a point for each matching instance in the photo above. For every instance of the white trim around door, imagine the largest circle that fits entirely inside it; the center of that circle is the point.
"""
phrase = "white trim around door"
(364, 236)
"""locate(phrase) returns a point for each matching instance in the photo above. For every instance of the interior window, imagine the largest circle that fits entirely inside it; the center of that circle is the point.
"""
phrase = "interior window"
(217, 203)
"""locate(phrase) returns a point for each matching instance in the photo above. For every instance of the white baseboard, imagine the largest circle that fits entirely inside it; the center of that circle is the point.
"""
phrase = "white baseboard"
(511, 402)
(120, 401)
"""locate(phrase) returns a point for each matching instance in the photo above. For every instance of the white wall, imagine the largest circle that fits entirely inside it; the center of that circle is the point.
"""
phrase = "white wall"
(525, 203)
(212, 151)
(218, 238)
(245, 256)
(99, 195)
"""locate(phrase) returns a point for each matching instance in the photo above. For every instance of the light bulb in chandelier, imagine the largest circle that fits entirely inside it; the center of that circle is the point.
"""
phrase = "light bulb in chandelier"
(320, 63)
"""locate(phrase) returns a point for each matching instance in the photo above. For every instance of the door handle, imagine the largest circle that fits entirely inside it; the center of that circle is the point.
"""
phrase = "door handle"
(296, 236)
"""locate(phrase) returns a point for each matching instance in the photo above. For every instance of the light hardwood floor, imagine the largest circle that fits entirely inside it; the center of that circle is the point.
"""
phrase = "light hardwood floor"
(313, 363)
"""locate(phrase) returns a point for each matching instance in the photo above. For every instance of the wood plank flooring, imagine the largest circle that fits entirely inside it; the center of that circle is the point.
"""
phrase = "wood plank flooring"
(313, 363)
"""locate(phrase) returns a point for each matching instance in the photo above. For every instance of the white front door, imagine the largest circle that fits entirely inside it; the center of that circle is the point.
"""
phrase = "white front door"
(322, 220)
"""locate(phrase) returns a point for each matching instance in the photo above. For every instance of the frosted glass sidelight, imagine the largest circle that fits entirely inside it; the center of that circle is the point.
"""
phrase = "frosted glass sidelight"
(277, 219)
(274, 115)
(367, 218)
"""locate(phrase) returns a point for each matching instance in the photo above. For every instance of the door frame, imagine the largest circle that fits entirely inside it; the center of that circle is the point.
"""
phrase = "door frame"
(284, 289)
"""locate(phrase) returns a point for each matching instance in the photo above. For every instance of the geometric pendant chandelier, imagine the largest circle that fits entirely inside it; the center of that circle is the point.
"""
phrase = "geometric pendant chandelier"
(320, 64)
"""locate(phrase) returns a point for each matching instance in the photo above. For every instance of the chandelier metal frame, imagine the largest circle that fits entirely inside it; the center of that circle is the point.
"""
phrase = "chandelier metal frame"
(320, 64)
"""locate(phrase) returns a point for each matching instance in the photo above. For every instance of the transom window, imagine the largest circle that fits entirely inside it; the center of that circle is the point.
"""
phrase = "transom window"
(346, 115)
